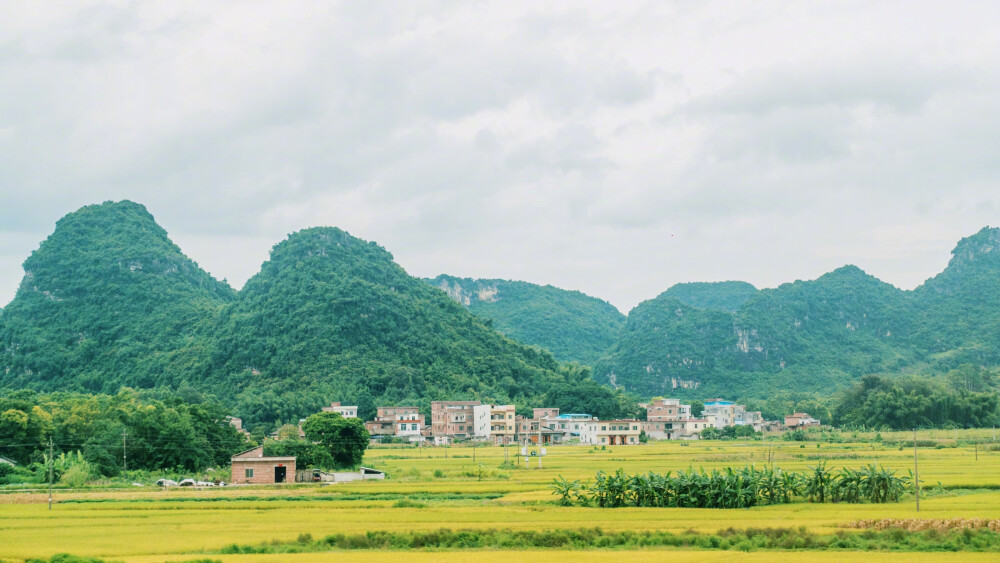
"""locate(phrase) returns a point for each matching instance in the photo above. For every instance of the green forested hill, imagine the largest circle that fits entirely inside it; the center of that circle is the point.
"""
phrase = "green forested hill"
(725, 296)
(573, 326)
(108, 300)
(818, 335)
(330, 315)
(956, 314)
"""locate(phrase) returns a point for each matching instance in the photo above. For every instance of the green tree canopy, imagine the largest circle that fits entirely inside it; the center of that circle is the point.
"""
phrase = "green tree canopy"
(345, 438)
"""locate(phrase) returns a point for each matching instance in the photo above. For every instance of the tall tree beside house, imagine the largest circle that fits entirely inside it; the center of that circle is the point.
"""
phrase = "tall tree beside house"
(345, 438)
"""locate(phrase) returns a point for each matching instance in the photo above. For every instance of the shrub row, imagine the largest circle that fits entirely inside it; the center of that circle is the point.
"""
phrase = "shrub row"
(595, 538)
(733, 488)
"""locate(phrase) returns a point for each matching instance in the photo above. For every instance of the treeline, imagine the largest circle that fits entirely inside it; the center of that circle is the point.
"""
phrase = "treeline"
(151, 429)
(920, 402)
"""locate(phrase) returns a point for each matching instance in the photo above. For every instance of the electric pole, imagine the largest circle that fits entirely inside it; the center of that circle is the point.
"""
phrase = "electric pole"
(51, 461)
(916, 472)
(124, 453)
(539, 442)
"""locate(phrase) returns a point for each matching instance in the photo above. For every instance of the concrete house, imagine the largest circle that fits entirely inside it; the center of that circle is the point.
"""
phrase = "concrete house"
(403, 422)
(612, 432)
(799, 420)
(251, 467)
(665, 419)
(344, 411)
(451, 420)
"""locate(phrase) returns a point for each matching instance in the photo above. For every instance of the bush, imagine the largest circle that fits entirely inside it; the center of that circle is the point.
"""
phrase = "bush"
(76, 476)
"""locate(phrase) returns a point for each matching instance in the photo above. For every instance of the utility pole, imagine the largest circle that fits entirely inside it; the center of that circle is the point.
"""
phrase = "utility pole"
(51, 462)
(473, 451)
(539, 442)
(125, 453)
(916, 472)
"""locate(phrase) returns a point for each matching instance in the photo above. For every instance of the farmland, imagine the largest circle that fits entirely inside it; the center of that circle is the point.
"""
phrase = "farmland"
(464, 488)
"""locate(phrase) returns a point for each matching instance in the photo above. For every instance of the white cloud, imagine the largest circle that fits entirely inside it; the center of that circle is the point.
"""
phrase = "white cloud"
(612, 148)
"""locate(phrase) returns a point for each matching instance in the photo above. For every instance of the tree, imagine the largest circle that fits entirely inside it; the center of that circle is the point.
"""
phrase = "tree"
(345, 438)
(697, 407)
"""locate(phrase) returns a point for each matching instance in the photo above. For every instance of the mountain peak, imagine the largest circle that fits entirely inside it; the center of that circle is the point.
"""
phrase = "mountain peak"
(984, 242)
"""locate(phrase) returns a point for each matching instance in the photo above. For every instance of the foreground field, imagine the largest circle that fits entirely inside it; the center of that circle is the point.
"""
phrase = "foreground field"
(461, 489)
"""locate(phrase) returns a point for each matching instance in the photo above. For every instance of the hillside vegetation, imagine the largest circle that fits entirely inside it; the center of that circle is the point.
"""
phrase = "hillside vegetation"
(818, 335)
(109, 301)
(573, 326)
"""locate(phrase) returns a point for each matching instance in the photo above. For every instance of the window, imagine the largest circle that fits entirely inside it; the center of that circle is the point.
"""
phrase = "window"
(413, 427)
(248, 473)
(604, 428)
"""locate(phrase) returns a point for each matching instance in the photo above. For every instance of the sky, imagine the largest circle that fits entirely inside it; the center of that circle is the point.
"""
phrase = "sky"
(614, 148)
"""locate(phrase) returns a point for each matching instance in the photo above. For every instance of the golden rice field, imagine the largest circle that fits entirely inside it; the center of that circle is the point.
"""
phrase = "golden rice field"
(148, 524)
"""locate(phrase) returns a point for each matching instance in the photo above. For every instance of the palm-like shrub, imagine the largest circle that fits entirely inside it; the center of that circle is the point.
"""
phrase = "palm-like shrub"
(743, 488)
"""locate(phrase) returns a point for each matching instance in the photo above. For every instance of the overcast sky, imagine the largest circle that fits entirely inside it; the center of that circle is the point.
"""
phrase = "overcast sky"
(615, 148)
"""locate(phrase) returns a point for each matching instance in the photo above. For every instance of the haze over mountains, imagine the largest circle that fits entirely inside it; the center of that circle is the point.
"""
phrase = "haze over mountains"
(108, 300)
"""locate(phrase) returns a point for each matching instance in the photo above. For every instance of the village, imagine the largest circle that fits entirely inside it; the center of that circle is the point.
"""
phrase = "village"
(499, 425)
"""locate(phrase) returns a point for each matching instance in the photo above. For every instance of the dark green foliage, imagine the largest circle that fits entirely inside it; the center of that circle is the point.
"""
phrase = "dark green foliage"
(582, 395)
(109, 301)
(915, 402)
(573, 326)
(725, 296)
(331, 316)
(344, 438)
(164, 432)
(731, 488)
(728, 433)
(814, 336)
(307, 454)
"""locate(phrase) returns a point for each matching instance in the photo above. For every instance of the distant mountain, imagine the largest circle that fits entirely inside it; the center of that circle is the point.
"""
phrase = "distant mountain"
(108, 300)
(724, 296)
(330, 315)
(956, 314)
(573, 326)
(815, 335)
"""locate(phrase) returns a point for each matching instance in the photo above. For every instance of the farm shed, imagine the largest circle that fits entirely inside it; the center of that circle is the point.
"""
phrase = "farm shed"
(315, 475)
(251, 467)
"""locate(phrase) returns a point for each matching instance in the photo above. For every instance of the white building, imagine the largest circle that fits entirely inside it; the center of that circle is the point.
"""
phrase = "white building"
(481, 420)
(346, 412)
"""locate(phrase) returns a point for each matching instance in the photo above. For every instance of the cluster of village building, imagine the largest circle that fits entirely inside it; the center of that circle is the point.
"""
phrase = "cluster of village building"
(666, 419)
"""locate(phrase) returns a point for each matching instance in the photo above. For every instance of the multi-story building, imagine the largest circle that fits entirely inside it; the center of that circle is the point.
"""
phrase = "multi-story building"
(728, 413)
(611, 432)
(533, 430)
(405, 422)
(503, 425)
(665, 419)
(452, 419)
(344, 411)
(571, 426)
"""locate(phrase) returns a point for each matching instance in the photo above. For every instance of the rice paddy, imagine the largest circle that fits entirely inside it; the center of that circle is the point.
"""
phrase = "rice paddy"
(465, 488)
